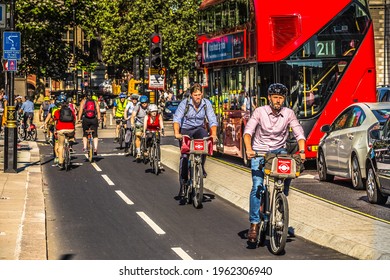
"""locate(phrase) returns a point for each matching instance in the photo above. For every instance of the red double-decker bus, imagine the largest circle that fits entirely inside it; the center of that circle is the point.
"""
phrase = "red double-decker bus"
(322, 51)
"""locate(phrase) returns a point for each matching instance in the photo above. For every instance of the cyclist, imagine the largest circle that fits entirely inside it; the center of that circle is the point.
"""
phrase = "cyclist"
(27, 110)
(267, 131)
(128, 111)
(90, 116)
(44, 108)
(3, 109)
(65, 119)
(137, 122)
(189, 119)
(153, 122)
(103, 107)
(118, 111)
(50, 123)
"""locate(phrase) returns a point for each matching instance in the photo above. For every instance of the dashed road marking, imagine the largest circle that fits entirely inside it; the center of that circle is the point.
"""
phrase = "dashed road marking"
(152, 224)
(124, 197)
(108, 180)
(96, 166)
(180, 252)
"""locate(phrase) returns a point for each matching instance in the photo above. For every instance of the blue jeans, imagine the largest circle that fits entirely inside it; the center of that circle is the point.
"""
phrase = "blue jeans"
(258, 186)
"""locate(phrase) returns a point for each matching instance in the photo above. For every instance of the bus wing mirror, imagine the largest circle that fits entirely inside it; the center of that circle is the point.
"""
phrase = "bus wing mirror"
(325, 128)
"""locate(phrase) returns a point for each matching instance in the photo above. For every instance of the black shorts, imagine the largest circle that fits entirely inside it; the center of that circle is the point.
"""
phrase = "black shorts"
(90, 124)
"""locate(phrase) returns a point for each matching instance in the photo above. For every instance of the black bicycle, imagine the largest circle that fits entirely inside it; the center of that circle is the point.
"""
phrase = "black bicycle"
(90, 144)
(274, 211)
(67, 153)
(122, 132)
(193, 188)
(154, 152)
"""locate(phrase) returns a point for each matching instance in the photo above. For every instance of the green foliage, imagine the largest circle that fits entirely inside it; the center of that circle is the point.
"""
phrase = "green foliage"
(123, 27)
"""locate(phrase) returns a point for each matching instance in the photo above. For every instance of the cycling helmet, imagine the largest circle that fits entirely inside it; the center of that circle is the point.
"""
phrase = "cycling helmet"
(153, 108)
(143, 99)
(70, 99)
(60, 99)
(46, 98)
(94, 98)
(278, 89)
(134, 96)
(122, 95)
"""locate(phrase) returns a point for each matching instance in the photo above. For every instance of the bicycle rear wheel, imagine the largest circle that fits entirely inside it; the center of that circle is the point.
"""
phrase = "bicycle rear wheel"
(279, 224)
(90, 149)
(197, 198)
(154, 158)
(21, 133)
(34, 135)
(66, 157)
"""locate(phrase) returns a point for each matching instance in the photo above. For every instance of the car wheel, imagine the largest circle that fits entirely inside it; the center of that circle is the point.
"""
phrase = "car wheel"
(356, 175)
(373, 193)
(322, 170)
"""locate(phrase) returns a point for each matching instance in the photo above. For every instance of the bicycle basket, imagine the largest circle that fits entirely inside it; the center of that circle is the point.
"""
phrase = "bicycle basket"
(282, 165)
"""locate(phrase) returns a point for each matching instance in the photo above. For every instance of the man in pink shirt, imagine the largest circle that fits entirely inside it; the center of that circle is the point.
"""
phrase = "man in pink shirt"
(267, 131)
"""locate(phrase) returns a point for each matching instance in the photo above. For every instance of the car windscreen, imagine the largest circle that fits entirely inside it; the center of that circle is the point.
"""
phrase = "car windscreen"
(382, 115)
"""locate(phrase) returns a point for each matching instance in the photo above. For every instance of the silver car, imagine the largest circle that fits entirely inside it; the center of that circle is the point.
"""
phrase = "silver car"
(343, 149)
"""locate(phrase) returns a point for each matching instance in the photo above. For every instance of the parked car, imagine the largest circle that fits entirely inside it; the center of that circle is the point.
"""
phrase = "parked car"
(383, 94)
(378, 165)
(342, 151)
(170, 109)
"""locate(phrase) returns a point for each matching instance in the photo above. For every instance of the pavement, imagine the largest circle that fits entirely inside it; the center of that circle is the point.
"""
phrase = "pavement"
(22, 209)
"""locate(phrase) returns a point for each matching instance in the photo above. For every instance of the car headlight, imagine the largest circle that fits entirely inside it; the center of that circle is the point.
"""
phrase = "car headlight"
(167, 111)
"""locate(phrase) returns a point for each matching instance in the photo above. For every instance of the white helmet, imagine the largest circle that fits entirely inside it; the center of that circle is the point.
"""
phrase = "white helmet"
(153, 108)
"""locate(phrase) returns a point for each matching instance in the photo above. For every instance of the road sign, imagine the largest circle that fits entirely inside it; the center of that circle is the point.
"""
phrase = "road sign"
(11, 45)
(10, 65)
(3, 18)
(156, 78)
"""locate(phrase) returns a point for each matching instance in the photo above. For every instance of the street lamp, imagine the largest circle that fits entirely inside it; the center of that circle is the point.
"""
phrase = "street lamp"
(10, 139)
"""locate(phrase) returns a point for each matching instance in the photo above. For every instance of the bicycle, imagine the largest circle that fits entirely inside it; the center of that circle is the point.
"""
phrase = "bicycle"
(66, 154)
(122, 133)
(90, 144)
(154, 152)
(274, 211)
(132, 148)
(193, 188)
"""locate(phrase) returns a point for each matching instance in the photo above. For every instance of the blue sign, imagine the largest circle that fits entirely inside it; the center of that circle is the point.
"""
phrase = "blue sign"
(227, 47)
(11, 45)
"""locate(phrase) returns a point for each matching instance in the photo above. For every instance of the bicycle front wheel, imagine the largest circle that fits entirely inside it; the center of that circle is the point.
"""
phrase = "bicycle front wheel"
(279, 224)
(154, 158)
(197, 198)
(121, 137)
(34, 135)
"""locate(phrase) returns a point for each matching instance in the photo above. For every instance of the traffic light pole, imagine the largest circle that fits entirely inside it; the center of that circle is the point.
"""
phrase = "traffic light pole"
(10, 136)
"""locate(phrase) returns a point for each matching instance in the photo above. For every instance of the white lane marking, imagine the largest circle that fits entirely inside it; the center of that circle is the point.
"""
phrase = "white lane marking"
(180, 252)
(108, 180)
(96, 166)
(124, 197)
(152, 224)
(307, 176)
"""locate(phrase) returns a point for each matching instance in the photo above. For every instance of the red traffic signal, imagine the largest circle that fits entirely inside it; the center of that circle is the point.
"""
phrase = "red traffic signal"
(155, 50)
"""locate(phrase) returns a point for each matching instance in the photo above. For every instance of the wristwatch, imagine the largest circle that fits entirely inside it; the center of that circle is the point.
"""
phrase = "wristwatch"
(302, 151)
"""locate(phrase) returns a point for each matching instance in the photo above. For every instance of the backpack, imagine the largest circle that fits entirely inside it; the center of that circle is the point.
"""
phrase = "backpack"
(102, 105)
(89, 109)
(66, 114)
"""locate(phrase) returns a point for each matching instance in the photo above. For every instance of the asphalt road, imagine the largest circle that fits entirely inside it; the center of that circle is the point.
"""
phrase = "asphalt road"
(116, 209)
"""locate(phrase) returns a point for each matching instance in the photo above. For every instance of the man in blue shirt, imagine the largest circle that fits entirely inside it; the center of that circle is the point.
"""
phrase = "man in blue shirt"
(28, 111)
(189, 119)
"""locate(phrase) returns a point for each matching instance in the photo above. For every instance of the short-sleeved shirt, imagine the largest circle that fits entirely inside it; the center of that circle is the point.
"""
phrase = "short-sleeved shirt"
(140, 115)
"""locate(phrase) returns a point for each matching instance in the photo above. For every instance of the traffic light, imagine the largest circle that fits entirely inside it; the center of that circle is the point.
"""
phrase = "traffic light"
(136, 68)
(146, 67)
(86, 79)
(156, 50)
